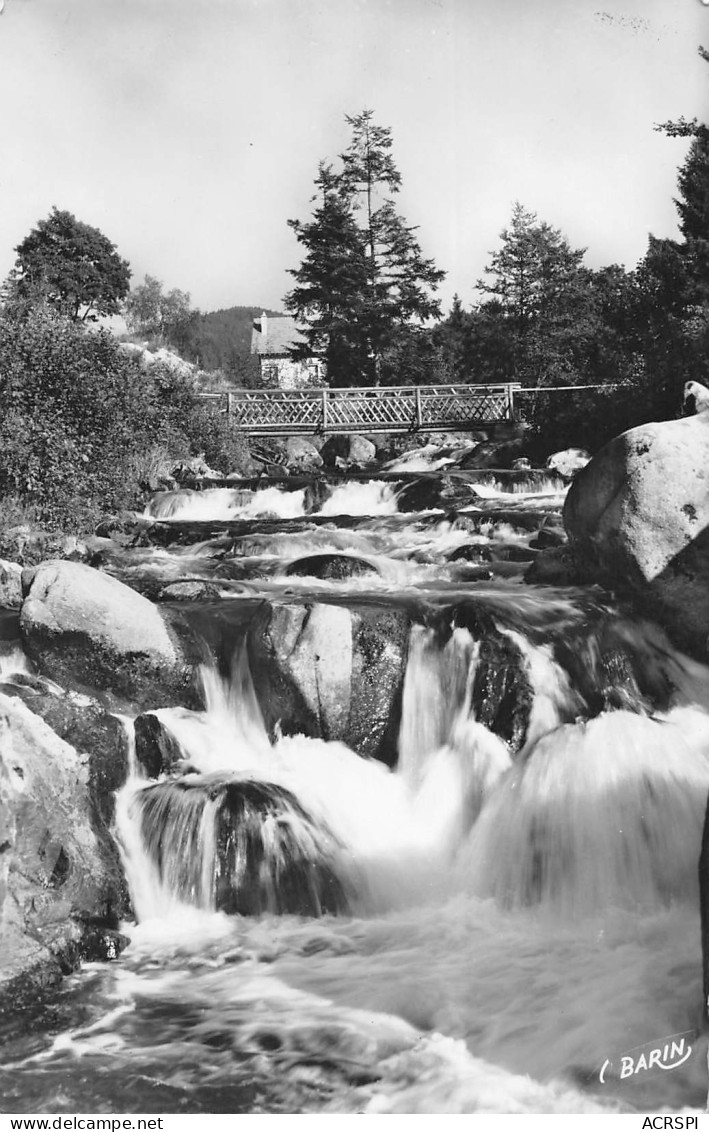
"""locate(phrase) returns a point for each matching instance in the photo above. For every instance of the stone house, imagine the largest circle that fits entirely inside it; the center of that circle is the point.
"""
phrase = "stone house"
(272, 339)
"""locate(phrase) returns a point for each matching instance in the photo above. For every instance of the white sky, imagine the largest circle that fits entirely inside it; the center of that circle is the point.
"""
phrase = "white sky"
(189, 131)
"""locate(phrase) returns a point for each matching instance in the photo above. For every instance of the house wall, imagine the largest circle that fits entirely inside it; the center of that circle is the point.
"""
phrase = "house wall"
(284, 373)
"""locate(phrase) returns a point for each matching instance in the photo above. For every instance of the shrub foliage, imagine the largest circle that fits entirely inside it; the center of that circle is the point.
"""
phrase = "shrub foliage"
(82, 420)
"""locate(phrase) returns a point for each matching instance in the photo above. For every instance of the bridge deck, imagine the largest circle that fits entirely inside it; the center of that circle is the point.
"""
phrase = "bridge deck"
(399, 408)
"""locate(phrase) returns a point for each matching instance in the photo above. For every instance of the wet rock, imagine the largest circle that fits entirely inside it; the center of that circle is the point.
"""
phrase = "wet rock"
(10, 584)
(302, 455)
(494, 454)
(617, 665)
(425, 494)
(502, 694)
(478, 573)
(548, 537)
(568, 462)
(98, 737)
(156, 748)
(330, 567)
(56, 881)
(316, 492)
(637, 517)
(100, 945)
(270, 855)
(233, 569)
(192, 589)
(111, 526)
(471, 552)
(501, 569)
(553, 567)
(511, 552)
(695, 398)
(328, 671)
(349, 450)
(89, 631)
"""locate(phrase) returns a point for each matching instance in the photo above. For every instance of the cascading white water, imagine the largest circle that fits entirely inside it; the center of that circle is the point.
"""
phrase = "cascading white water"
(224, 503)
(590, 815)
(522, 882)
(472, 869)
(604, 813)
(371, 498)
(12, 660)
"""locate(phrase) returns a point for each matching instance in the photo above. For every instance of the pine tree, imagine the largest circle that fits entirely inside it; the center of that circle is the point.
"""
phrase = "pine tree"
(331, 282)
(364, 287)
(673, 279)
(538, 297)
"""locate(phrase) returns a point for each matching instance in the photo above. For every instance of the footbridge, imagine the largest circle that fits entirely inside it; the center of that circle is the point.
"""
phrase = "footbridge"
(389, 409)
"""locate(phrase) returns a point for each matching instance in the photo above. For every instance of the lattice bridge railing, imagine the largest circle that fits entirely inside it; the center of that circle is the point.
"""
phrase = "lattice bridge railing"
(399, 408)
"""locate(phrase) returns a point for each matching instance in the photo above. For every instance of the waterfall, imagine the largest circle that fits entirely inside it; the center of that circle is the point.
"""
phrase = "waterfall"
(223, 503)
(603, 813)
(238, 846)
(484, 926)
(371, 498)
(500, 788)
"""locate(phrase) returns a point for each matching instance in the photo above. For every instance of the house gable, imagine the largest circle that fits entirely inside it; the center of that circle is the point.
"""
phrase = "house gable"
(272, 339)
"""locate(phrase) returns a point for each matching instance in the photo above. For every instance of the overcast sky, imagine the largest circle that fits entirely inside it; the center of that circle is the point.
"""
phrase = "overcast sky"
(189, 131)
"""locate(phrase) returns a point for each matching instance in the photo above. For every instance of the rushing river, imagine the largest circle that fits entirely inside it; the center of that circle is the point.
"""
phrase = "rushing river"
(506, 920)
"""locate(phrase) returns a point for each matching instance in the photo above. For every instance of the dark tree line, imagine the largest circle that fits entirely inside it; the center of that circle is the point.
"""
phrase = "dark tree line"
(366, 296)
(544, 319)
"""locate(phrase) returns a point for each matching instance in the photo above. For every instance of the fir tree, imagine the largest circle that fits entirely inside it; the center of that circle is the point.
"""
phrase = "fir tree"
(364, 286)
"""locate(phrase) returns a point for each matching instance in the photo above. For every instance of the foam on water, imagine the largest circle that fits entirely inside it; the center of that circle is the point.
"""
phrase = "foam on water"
(13, 660)
(214, 1007)
(425, 459)
(603, 813)
(372, 498)
(223, 503)
(520, 910)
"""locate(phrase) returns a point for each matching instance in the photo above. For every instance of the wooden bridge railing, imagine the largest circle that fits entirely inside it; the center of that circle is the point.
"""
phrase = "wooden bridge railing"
(398, 408)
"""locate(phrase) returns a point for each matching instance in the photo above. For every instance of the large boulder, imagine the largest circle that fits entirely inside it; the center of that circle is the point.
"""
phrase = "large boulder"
(330, 567)
(350, 449)
(98, 736)
(331, 672)
(426, 493)
(10, 584)
(302, 455)
(268, 855)
(568, 462)
(59, 889)
(87, 631)
(494, 454)
(637, 517)
(156, 748)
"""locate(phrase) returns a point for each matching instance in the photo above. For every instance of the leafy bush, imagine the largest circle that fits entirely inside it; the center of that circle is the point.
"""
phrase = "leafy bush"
(84, 426)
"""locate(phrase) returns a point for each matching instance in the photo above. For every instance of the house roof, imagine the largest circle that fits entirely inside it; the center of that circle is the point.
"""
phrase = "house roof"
(275, 335)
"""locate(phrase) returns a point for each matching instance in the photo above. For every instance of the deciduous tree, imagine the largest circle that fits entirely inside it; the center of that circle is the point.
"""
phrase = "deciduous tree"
(69, 266)
(151, 311)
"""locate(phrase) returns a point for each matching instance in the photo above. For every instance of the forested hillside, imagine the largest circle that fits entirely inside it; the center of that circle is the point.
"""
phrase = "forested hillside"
(222, 340)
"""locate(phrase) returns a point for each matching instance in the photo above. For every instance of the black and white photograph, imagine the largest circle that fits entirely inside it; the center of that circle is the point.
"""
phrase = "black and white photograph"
(354, 560)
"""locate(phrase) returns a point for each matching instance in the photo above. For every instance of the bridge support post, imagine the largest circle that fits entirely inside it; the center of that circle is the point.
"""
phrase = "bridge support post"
(511, 402)
(419, 416)
(324, 410)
